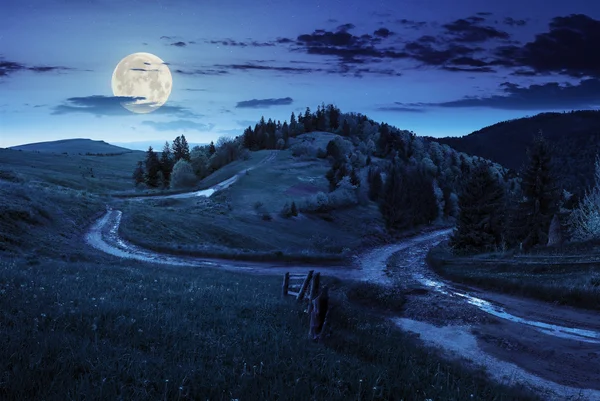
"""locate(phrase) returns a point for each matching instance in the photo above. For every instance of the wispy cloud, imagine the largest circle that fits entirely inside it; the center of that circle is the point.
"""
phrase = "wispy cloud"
(10, 67)
(548, 96)
(264, 103)
(99, 105)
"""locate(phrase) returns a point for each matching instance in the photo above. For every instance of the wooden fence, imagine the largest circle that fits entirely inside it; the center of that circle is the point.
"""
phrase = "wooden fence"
(297, 285)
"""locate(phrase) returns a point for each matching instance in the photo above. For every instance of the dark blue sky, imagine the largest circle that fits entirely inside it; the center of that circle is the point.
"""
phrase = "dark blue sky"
(436, 67)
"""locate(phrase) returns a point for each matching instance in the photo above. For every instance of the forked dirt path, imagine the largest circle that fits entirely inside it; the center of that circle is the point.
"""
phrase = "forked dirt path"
(554, 350)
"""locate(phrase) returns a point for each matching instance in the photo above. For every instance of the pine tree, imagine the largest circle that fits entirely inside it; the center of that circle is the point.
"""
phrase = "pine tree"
(166, 164)
(185, 149)
(333, 117)
(293, 125)
(345, 128)
(540, 192)
(152, 168)
(391, 199)
(480, 221)
(177, 150)
(285, 132)
(375, 184)
(248, 138)
(308, 121)
(321, 119)
(422, 203)
(138, 173)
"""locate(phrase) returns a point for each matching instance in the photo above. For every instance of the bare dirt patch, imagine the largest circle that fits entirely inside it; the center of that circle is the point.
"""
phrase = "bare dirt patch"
(566, 362)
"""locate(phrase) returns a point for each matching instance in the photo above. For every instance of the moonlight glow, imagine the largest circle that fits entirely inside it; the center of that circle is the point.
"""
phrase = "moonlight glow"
(142, 75)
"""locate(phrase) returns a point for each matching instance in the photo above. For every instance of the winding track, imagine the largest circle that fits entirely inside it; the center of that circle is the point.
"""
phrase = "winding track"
(104, 236)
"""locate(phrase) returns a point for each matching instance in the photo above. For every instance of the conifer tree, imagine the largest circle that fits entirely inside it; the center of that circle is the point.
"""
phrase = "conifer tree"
(333, 115)
(345, 128)
(166, 163)
(375, 184)
(185, 149)
(307, 121)
(391, 198)
(177, 150)
(540, 192)
(152, 168)
(480, 221)
(138, 173)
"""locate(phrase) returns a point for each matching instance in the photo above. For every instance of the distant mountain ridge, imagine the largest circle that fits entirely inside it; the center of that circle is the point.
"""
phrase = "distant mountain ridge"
(156, 145)
(575, 137)
(73, 146)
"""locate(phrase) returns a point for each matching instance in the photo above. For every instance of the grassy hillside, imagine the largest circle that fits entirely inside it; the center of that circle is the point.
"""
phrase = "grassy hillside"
(245, 219)
(76, 321)
(90, 173)
(575, 137)
(73, 146)
(43, 220)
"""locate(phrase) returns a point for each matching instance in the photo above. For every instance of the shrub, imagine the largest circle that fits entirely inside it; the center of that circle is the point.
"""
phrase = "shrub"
(304, 150)
(316, 203)
(183, 175)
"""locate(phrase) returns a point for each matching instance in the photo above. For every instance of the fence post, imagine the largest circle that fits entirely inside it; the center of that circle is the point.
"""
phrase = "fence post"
(314, 291)
(325, 325)
(305, 285)
(286, 284)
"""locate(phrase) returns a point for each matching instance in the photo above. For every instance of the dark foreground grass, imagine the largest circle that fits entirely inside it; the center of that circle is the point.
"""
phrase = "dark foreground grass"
(134, 331)
(564, 284)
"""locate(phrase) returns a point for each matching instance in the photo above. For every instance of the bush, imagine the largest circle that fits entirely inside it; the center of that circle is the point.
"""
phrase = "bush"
(304, 150)
(316, 203)
(183, 175)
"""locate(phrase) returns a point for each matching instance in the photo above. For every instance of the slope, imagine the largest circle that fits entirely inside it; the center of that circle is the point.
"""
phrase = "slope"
(575, 137)
(73, 146)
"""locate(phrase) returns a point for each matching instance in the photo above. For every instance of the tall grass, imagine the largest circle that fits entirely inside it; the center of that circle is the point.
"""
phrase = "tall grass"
(564, 283)
(135, 331)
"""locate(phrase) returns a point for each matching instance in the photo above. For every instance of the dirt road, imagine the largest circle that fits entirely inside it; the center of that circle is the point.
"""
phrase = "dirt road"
(554, 350)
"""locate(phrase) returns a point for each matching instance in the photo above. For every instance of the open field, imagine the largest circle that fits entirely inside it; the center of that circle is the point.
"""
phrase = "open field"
(136, 331)
(89, 173)
(570, 280)
(76, 321)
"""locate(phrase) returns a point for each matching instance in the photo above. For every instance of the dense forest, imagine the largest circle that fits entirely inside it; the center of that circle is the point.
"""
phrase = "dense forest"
(574, 137)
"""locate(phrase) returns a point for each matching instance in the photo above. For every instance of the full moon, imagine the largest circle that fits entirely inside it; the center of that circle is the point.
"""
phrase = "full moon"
(145, 76)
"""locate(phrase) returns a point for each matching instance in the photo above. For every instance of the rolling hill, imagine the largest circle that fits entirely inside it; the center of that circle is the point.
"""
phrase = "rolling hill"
(74, 146)
(575, 137)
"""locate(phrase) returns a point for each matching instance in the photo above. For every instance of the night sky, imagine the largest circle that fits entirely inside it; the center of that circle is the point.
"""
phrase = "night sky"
(436, 67)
